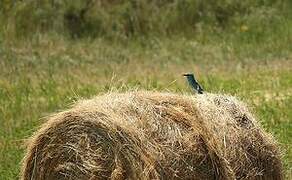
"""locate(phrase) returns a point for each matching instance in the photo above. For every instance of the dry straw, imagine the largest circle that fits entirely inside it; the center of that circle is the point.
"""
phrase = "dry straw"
(151, 135)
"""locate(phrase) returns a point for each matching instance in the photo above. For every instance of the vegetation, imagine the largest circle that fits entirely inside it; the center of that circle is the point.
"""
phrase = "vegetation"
(116, 18)
(55, 52)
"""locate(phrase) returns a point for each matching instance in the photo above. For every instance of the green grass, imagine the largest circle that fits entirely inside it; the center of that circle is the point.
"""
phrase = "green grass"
(47, 72)
(42, 78)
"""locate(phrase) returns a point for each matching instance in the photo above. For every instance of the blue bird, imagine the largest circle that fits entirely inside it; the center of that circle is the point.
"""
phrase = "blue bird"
(194, 83)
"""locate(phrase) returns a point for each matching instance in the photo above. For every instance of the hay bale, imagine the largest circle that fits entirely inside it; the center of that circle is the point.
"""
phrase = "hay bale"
(151, 135)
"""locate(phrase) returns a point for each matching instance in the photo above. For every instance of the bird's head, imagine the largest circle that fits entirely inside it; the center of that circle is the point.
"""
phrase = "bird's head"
(188, 74)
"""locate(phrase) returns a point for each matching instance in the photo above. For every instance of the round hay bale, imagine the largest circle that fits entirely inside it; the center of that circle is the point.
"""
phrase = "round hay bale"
(151, 135)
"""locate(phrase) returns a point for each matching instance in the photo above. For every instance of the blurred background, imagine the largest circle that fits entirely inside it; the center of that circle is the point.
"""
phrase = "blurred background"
(54, 52)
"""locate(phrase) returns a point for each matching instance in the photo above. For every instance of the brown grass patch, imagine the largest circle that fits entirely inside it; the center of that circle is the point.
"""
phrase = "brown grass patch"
(151, 135)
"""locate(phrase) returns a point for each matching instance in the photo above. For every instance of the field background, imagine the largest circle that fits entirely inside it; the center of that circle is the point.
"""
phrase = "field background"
(53, 53)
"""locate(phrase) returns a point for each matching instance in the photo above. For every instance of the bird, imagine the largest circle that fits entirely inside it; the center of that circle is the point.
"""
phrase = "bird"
(194, 83)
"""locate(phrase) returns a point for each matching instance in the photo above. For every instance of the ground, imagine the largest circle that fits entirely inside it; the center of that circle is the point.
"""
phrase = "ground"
(39, 79)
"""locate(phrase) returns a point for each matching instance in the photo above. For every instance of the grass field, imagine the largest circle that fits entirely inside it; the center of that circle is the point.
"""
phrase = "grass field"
(48, 72)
